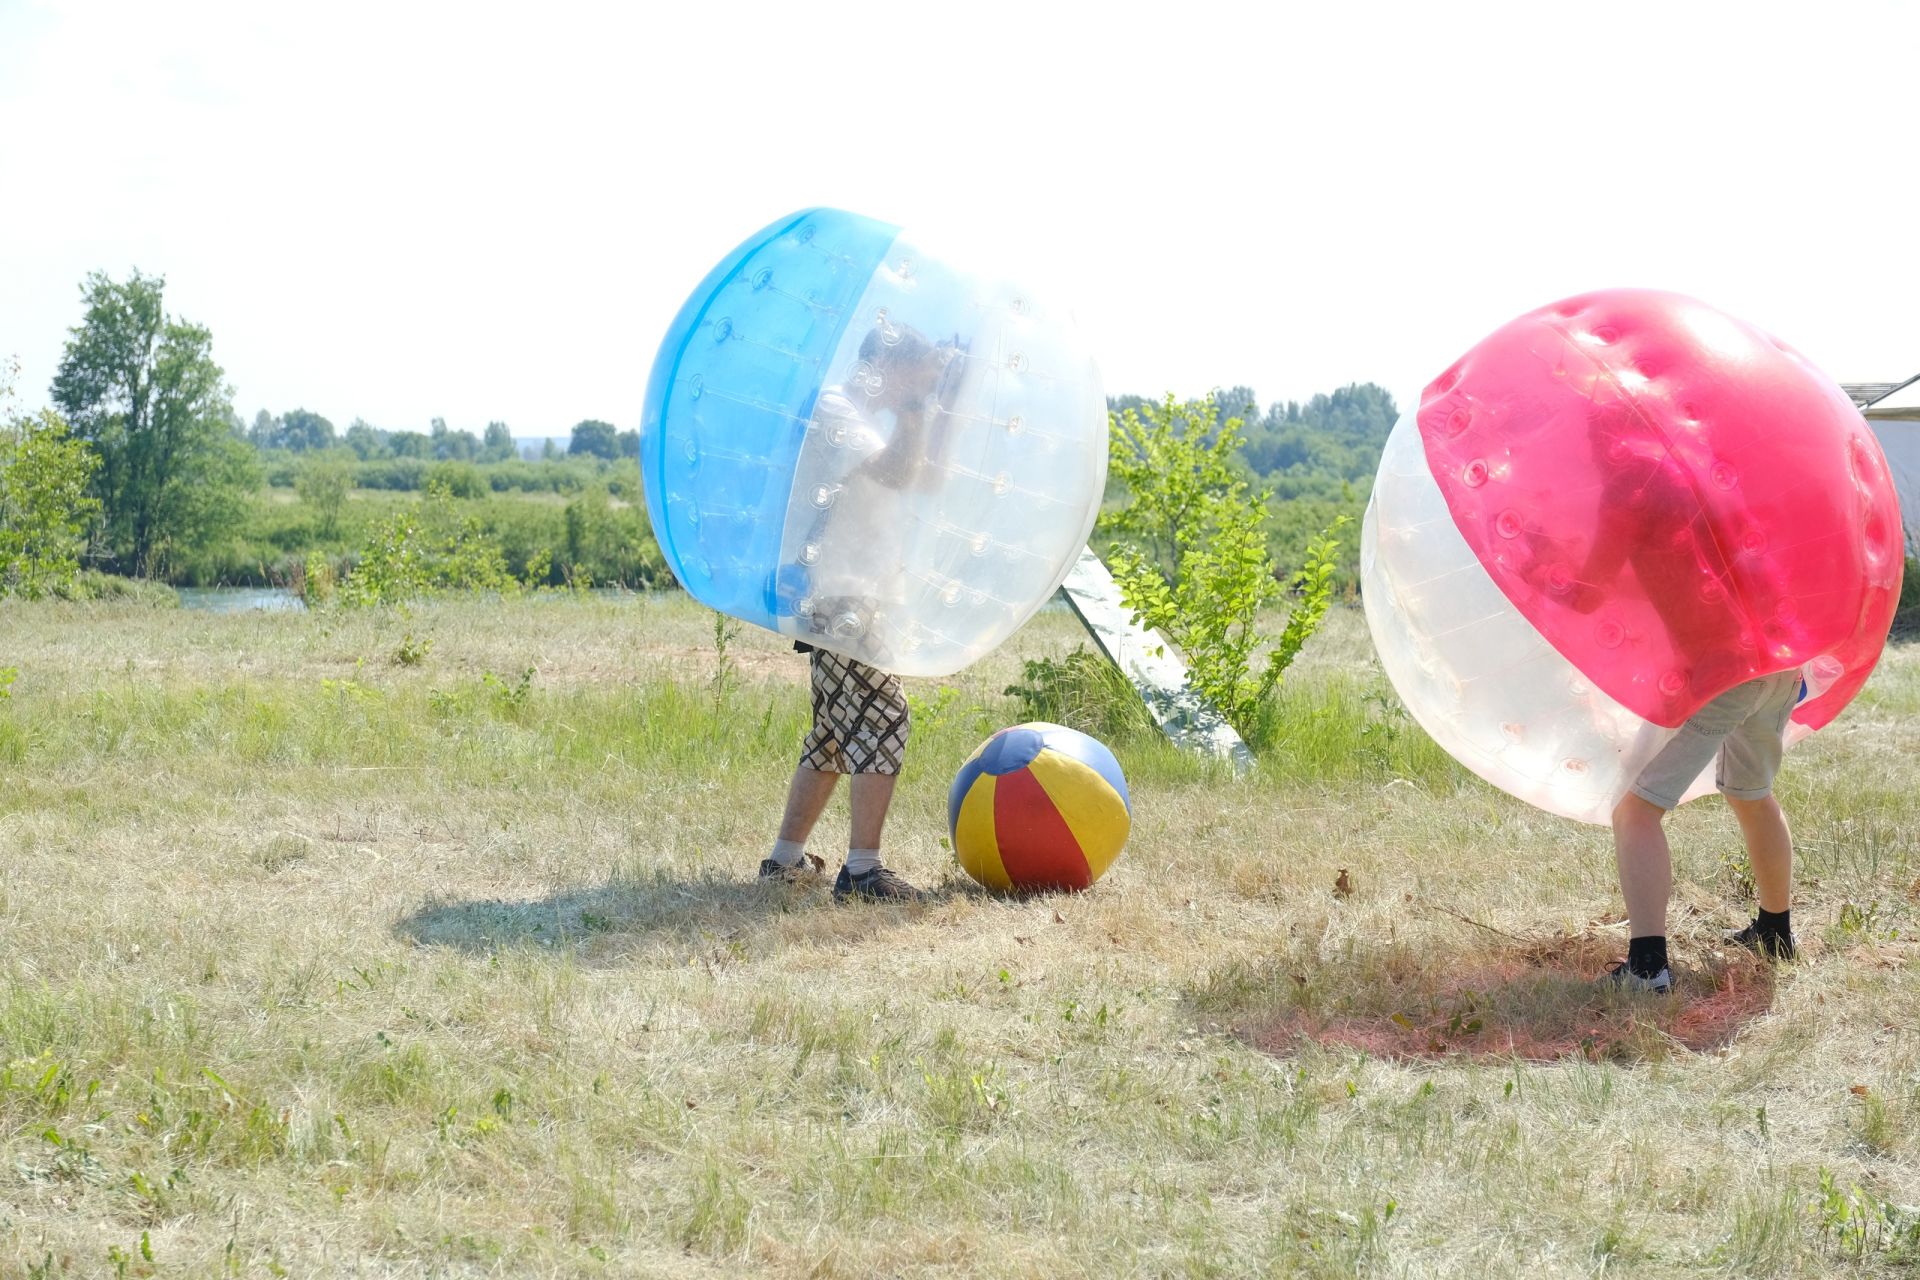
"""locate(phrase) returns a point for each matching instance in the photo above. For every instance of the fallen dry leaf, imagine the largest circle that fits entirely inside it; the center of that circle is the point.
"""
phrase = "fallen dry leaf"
(1858, 1090)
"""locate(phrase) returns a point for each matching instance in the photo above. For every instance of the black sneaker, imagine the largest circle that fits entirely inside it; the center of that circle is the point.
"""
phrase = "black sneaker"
(877, 885)
(1773, 947)
(808, 870)
(1621, 978)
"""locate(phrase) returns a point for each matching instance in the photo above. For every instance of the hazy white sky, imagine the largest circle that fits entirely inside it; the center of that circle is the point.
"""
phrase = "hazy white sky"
(399, 211)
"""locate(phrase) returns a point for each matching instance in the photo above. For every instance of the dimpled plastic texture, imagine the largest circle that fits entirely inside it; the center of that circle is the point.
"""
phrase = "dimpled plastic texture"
(1607, 513)
(852, 441)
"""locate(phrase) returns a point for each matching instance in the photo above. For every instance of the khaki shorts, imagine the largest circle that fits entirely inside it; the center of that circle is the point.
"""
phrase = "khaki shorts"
(860, 718)
(1745, 727)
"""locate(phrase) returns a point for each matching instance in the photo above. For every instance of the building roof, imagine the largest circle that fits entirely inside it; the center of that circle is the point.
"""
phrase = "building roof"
(1885, 395)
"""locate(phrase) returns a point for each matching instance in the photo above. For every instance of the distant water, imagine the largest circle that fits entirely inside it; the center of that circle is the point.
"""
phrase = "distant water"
(240, 600)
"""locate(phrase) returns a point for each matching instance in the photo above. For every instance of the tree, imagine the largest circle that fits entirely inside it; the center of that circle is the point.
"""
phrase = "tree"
(44, 507)
(1360, 410)
(497, 446)
(303, 432)
(453, 446)
(367, 442)
(410, 444)
(265, 431)
(142, 389)
(628, 443)
(323, 482)
(1236, 402)
(595, 439)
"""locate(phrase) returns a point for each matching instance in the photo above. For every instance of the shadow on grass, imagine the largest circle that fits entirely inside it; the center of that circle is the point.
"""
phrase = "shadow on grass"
(603, 923)
(1531, 999)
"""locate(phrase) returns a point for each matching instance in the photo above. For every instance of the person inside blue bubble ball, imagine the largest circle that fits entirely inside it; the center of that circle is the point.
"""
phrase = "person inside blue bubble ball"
(854, 566)
(891, 410)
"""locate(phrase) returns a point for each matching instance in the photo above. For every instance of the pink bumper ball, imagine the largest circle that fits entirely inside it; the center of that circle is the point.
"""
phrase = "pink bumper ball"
(1607, 513)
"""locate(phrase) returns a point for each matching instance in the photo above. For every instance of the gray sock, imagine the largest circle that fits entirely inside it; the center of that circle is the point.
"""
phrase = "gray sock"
(861, 861)
(788, 853)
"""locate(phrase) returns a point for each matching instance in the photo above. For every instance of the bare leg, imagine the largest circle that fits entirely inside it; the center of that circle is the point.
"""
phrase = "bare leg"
(807, 797)
(871, 793)
(1769, 848)
(1646, 865)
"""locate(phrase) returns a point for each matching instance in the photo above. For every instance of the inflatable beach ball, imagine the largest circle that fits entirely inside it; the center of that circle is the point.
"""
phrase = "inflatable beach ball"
(1038, 806)
(855, 441)
(1606, 514)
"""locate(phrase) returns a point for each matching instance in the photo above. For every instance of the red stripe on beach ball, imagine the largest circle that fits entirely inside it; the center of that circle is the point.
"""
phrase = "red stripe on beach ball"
(1036, 845)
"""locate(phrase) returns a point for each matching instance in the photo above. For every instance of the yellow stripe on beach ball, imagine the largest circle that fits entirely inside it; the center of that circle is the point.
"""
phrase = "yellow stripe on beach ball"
(974, 841)
(1093, 810)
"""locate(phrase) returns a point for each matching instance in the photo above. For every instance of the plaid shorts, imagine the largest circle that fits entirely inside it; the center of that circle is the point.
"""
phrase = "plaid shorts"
(860, 718)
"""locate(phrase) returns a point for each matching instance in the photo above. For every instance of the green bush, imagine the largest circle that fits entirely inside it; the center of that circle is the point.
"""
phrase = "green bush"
(423, 549)
(1083, 691)
(317, 582)
(1191, 556)
(531, 531)
(548, 476)
(406, 474)
(279, 468)
(608, 543)
(1294, 524)
(91, 584)
(282, 540)
(458, 479)
(44, 507)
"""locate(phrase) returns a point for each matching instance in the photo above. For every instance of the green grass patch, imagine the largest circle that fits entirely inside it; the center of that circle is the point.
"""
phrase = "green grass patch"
(321, 958)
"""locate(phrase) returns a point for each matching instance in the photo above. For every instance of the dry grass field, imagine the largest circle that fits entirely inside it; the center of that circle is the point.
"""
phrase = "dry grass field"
(427, 943)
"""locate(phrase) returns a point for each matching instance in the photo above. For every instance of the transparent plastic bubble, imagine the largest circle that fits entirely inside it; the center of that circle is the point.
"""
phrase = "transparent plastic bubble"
(858, 433)
(1628, 559)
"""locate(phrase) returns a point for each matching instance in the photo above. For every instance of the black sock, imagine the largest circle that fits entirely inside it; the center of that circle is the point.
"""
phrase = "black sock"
(1774, 925)
(1646, 957)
